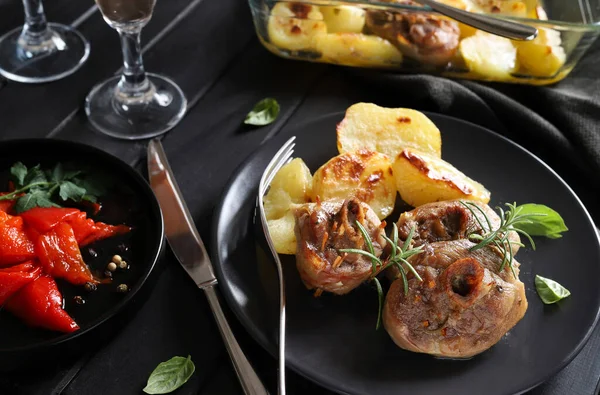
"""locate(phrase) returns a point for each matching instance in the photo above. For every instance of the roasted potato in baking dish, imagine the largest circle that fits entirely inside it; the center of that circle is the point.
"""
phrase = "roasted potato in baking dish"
(357, 49)
(542, 56)
(343, 18)
(291, 185)
(387, 130)
(422, 178)
(366, 175)
(293, 26)
(489, 56)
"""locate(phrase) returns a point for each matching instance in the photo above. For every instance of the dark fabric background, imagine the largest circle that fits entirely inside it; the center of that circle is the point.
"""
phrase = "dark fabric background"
(560, 124)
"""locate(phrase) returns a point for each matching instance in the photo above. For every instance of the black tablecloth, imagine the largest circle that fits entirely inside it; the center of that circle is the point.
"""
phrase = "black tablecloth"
(210, 50)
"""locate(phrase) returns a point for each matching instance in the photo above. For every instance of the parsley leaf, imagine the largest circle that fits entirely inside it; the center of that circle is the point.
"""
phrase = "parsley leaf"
(69, 190)
(35, 198)
(19, 172)
(37, 187)
(58, 173)
(35, 175)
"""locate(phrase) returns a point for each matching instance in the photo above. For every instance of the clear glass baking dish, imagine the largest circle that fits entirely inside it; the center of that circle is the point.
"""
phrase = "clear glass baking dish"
(401, 35)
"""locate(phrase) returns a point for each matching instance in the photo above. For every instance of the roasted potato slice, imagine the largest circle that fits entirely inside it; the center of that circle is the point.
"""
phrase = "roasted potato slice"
(543, 56)
(293, 26)
(387, 130)
(343, 19)
(489, 56)
(282, 233)
(291, 185)
(501, 7)
(357, 49)
(422, 178)
(363, 174)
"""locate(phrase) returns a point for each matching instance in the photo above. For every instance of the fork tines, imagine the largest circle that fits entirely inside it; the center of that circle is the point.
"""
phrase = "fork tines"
(283, 156)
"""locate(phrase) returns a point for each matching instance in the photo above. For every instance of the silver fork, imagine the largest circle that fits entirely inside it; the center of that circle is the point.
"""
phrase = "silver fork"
(283, 156)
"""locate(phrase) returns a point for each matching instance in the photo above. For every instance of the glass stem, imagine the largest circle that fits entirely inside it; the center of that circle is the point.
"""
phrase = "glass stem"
(133, 86)
(35, 32)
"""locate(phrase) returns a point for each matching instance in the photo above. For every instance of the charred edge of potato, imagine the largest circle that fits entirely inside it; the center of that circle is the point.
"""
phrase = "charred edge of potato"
(387, 130)
(422, 178)
(453, 181)
(364, 174)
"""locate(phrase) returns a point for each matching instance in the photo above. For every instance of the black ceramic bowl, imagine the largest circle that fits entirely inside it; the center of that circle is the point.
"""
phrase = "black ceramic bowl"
(128, 201)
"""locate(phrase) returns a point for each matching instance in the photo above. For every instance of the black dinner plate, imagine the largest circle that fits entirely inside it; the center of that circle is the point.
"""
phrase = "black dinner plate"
(130, 201)
(332, 339)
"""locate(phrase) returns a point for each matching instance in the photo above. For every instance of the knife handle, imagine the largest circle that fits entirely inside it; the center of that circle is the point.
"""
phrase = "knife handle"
(251, 384)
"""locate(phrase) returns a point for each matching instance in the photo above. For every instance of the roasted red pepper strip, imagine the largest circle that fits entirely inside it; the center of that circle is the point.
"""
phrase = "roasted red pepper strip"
(14, 278)
(104, 231)
(43, 219)
(59, 254)
(82, 226)
(15, 246)
(87, 231)
(39, 304)
(6, 205)
(22, 267)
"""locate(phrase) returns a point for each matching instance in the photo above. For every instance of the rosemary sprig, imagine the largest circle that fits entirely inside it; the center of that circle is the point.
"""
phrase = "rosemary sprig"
(398, 257)
(510, 221)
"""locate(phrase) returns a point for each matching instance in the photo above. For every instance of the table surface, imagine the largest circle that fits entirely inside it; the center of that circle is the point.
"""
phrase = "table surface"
(209, 48)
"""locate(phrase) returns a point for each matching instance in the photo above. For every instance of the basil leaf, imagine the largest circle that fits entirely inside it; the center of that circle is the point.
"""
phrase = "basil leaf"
(550, 224)
(549, 290)
(19, 171)
(68, 190)
(263, 113)
(170, 375)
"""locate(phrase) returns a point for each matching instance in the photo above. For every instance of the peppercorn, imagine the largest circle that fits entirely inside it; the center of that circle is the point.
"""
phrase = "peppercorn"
(117, 259)
(122, 288)
(79, 300)
(111, 267)
(123, 265)
(90, 287)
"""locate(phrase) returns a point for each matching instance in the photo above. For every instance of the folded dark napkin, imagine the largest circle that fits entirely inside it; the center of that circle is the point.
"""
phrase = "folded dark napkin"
(559, 124)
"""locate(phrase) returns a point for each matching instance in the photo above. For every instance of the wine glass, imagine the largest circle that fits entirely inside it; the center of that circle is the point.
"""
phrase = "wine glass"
(135, 105)
(41, 51)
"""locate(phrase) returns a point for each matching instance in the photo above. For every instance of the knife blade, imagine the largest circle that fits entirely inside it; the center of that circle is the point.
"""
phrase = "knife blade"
(185, 241)
(181, 232)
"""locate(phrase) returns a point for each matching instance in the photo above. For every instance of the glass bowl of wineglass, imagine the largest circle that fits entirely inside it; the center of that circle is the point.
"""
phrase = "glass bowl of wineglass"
(136, 104)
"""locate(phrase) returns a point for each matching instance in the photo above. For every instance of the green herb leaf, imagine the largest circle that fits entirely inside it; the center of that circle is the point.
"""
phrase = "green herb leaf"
(69, 190)
(263, 113)
(35, 187)
(549, 290)
(58, 173)
(19, 172)
(35, 175)
(511, 220)
(546, 222)
(93, 184)
(35, 198)
(170, 375)
(70, 174)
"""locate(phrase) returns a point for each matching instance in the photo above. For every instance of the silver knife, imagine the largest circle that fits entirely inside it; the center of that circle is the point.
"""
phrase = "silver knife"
(187, 246)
